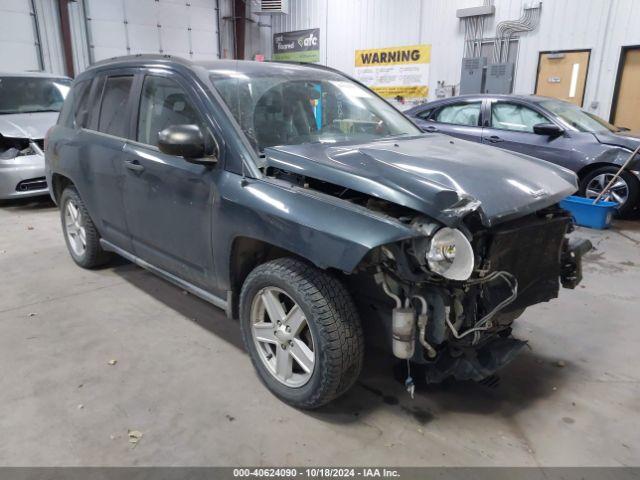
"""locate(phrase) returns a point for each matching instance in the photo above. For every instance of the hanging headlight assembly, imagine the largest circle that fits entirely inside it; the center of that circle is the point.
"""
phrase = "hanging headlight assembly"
(450, 254)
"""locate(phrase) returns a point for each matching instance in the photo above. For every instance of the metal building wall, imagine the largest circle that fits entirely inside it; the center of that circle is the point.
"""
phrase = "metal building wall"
(353, 24)
(603, 26)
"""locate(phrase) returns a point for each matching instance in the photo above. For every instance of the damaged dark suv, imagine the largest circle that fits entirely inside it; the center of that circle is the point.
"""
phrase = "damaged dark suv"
(309, 208)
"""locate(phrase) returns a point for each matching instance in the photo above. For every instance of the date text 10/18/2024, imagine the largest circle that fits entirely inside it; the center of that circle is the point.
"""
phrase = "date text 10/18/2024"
(316, 472)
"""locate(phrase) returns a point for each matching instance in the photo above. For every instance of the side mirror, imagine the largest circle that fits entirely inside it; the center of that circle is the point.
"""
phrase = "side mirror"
(186, 141)
(549, 129)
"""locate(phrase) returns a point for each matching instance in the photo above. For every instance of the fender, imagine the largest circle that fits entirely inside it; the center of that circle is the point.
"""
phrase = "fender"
(327, 231)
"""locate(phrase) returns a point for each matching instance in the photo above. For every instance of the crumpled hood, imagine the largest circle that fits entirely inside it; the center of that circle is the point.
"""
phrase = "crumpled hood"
(434, 174)
(628, 140)
(27, 125)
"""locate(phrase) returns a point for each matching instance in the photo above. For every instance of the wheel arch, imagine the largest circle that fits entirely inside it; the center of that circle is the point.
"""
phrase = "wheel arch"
(591, 167)
(246, 254)
(58, 183)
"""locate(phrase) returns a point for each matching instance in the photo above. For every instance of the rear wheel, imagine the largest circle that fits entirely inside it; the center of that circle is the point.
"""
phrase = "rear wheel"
(302, 332)
(625, 191)
(80, 233)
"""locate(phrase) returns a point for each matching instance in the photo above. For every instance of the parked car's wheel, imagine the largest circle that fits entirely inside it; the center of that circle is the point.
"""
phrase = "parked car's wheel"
(302, 331)
(80, 234)
(625, 191)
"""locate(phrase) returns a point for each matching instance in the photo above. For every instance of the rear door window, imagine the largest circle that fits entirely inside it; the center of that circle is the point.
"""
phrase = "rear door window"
(113, 111)
(460, 114)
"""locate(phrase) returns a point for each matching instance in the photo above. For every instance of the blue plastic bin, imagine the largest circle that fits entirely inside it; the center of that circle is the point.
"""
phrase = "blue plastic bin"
(586, 214)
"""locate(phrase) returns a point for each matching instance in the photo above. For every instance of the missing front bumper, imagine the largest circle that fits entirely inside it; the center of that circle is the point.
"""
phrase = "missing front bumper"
(475, 364)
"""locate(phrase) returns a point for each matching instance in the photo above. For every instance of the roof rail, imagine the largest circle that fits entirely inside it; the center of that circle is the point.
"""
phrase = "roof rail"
(142, 56)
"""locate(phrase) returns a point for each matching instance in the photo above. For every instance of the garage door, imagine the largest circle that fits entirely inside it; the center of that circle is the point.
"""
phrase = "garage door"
(19, 49)
(186, 28)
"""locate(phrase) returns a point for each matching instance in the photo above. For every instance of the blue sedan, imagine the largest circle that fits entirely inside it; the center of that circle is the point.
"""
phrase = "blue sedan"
(550, 129)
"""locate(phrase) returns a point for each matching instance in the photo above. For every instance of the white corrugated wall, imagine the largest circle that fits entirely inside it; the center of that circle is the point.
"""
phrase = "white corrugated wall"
(603, 26)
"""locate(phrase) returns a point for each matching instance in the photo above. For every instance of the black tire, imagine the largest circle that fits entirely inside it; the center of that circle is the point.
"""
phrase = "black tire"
(93, 255)
(633, 185)
(332, 318)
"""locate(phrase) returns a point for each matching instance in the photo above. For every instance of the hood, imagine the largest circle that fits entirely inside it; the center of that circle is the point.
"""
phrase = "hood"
(27, 125)
(434, 174)
(628, 140)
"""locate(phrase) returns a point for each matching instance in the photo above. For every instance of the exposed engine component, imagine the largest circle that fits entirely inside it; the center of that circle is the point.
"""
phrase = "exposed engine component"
(423, 319)
(403, 327)
(485, 322)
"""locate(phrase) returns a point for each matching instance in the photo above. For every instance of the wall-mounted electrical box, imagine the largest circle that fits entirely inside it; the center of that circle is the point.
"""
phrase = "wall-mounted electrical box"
(476, 11)
(472, 75)
(499, 78)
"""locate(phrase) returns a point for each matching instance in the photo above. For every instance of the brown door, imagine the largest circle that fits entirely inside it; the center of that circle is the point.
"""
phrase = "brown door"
(563, 75)
(627, 102)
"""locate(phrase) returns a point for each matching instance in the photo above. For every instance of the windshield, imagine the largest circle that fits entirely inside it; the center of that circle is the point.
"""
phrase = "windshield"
(578, 118)
(292, 108)
(29, 95)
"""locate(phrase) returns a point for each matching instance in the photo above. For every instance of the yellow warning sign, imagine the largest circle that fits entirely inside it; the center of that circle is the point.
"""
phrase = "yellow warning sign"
(395, 71)
(379, 57)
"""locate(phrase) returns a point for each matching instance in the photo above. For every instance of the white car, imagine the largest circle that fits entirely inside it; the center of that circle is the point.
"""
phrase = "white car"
(29, 105)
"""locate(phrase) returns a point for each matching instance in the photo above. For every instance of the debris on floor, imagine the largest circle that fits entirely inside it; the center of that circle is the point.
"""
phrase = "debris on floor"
(112, 362)
(134, 436)
(561, 363)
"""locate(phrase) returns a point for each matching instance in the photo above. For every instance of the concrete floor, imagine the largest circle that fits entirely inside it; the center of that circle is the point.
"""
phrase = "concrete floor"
(183, 380)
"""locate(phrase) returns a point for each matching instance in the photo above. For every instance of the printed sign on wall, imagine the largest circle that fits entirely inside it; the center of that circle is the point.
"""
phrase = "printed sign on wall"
(298, 46)
(395, 71)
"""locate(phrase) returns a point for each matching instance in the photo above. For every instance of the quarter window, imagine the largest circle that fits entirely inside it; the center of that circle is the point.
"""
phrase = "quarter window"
(460, 114)
(81, 107)
(70, 115)
(113, 113)
(424, 115)
(163, 103)
(515, 117)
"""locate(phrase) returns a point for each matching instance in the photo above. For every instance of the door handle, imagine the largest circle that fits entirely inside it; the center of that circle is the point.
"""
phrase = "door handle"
(430, 129)
(495, 139)
(134, 166)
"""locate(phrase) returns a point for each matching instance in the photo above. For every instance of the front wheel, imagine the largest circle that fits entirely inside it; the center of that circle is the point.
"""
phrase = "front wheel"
(625, 191)
(302, 332)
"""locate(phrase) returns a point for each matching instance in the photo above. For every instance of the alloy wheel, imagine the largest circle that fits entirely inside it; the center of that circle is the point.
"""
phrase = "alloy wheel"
(76, 233)
(282, 337)
(618, 193)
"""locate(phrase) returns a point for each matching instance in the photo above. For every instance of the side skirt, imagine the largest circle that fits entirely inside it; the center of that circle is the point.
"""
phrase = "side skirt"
(197, 291)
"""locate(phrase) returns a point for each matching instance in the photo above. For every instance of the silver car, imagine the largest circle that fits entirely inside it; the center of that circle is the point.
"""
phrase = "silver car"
(29, 105)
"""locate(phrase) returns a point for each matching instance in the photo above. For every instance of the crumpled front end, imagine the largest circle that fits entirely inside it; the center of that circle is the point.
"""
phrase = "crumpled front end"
(483, 239)
(462, 328)
(21, 168)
